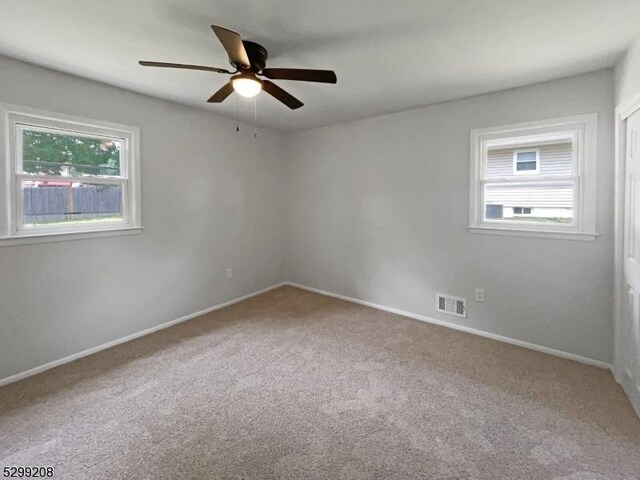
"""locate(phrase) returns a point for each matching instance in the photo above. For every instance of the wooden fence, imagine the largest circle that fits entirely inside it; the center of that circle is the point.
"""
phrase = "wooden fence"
(51, 204)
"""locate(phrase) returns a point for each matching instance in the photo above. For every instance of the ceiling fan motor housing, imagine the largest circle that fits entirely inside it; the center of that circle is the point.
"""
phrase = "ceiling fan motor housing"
(257, 55)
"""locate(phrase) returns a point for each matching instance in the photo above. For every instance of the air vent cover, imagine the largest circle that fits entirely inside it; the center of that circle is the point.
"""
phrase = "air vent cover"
(451, 305)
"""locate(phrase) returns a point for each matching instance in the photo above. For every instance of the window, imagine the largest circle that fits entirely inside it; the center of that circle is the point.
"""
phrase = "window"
(525, 162)
(522, 210)
(67, 177)
(535, 179)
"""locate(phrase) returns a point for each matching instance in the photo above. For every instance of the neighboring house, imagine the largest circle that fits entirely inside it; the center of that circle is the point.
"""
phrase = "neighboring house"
(530, 199)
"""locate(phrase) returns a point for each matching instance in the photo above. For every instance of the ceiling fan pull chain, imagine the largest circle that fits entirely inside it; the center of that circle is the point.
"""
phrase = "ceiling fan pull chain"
(255, 117)
(237, 114)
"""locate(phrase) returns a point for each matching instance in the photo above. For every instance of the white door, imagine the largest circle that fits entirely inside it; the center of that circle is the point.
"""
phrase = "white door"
(630, 328)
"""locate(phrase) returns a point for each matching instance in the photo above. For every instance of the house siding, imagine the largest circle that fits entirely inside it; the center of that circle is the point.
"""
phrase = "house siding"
(555, 159)
(550, 196)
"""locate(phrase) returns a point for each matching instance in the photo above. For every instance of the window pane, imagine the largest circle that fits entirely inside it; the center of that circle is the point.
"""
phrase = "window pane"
(524, 166)
(525, 156)
(66, 203)
(556, 159)
(69, 155)
(542, 203)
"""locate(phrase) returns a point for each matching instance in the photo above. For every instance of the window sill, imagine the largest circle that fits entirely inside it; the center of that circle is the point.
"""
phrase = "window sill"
(516, 232)
(67, 236)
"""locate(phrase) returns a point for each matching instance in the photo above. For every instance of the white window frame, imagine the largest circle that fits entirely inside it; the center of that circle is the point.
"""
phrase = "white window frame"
(583, 129)
(526, 172)
(14, 119)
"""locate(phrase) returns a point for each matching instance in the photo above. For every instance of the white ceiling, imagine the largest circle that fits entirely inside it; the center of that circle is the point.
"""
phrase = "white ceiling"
(389, 55)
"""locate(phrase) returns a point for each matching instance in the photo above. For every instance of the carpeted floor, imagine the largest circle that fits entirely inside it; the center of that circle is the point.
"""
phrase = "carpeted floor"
(295, 385)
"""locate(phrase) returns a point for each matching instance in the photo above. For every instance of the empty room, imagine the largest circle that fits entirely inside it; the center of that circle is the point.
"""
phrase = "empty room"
(293, 239)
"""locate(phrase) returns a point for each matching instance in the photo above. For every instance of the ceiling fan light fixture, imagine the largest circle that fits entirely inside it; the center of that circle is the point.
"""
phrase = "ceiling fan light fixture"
(246, 86)
(250, 59)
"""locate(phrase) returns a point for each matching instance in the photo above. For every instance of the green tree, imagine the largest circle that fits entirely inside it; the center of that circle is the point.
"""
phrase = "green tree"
(51, 154)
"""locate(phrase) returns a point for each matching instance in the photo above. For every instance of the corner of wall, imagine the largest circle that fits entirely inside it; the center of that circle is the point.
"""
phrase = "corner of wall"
(627, 74)
(286, 195)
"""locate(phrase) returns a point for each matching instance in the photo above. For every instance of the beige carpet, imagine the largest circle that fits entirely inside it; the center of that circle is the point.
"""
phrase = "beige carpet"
(294, 385)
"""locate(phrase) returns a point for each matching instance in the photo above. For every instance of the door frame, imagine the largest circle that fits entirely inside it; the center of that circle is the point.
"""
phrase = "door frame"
(623, 111)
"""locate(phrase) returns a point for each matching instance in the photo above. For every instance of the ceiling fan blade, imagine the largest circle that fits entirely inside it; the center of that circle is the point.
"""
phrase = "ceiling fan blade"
(182, 65)
(300, 74)
(232, 43)
(280, 94)
(221, 94)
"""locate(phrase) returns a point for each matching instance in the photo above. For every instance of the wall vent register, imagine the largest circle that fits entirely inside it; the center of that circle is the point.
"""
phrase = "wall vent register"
(451, 305)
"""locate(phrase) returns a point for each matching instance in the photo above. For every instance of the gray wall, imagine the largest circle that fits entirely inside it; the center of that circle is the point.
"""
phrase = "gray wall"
(375, 209)
(378, 210)
(211, 199)
(628, 74)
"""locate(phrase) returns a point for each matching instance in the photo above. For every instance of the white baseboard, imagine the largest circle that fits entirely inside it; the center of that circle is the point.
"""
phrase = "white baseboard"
(113, 343)
(482, 333)
(462, 328)
(632, 391)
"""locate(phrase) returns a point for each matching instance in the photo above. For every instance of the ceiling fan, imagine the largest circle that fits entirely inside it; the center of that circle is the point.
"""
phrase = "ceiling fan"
(249, 60)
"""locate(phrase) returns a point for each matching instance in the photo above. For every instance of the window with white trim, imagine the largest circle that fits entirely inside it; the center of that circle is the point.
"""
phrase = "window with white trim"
(67, 177)
(525, 162)
(535, 179)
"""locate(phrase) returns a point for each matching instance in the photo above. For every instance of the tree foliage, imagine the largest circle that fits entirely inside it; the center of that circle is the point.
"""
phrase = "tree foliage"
(53, 154)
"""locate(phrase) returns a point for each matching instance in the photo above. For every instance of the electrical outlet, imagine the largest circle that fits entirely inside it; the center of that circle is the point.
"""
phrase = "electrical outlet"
(479, 294)
(229, 273)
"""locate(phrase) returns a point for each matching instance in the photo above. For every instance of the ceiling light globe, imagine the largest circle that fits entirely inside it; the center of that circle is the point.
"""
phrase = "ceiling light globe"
(247, 87)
